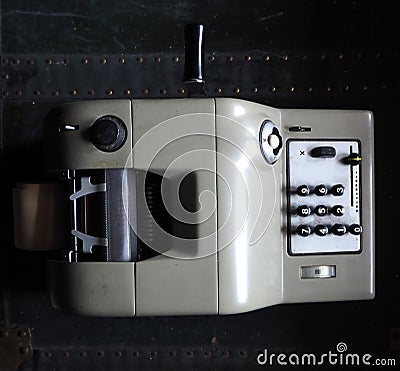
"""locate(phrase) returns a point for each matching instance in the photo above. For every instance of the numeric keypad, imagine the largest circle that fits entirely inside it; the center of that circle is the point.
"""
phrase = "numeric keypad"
(323, 204)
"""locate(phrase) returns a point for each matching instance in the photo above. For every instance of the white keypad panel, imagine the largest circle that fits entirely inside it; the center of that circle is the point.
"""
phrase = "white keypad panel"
(324, 197)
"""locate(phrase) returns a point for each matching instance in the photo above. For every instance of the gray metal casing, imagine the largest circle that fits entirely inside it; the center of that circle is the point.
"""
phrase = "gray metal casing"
(242, 262)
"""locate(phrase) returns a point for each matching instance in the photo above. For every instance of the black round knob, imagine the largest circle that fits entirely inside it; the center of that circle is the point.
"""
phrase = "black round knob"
(303, 190)
(321, 190)
(339, 229)
(303, 230)
(108, 133)
(355, 229)
(337, 210)
(321, 230)
(337, 190)
(321, 210)
(303, 210)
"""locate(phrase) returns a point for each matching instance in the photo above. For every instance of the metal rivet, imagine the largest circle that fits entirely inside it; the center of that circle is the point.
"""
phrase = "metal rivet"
(229, 58)
(189, 353)
(16, 61)
(121, 60)
(328, 88)
(73, 92)
(127, 91)
(109, 92)
(340, 56)
(226, 353)
(6, 77)
(272, 88)
(18, 92)
(5, 93)
(172, 353)
(157, 59)
(310, 89)
(211, 58)
(103, 60)
(285, 57)
(236, 90)
(49, 61)
(243, 353)
(163, 91)
(100, 353)
(207, 354)
(291, 89)
(145, 91)
(266, 58)
(48, 354)
(85, 61)
(181, 91)
(254, 89)
(323, 56)
(247, 58)
(347, 88)
(29, 61)
(66, 354)
(175, 59)
(83, 354)
(91, 92)
(118, 354)
(136, 354)
(140, 59)
(55, 92)
(218, 90)
(365, 87)
(36, 92)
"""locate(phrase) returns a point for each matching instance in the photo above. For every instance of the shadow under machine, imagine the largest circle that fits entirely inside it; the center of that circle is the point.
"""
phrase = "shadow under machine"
(201, 205)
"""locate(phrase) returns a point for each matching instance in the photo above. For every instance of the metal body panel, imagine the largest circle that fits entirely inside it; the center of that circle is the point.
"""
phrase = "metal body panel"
(249, 215)
(92, 288)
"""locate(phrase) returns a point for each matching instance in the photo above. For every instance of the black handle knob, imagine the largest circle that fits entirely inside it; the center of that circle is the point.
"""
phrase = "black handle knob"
(194, 54)
(353, 159)
(108, 133)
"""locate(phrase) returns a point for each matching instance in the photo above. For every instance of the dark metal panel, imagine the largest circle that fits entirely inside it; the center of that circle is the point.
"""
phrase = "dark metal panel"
(101, 26)
(275, 76)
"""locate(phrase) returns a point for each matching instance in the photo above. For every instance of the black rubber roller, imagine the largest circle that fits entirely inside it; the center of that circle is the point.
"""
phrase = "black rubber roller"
(108, 133)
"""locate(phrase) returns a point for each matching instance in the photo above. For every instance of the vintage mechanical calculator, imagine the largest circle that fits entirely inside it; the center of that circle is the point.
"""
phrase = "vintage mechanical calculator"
(202, 206)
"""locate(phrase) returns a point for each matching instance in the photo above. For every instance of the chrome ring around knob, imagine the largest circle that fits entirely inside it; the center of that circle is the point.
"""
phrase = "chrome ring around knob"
(271, 141)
